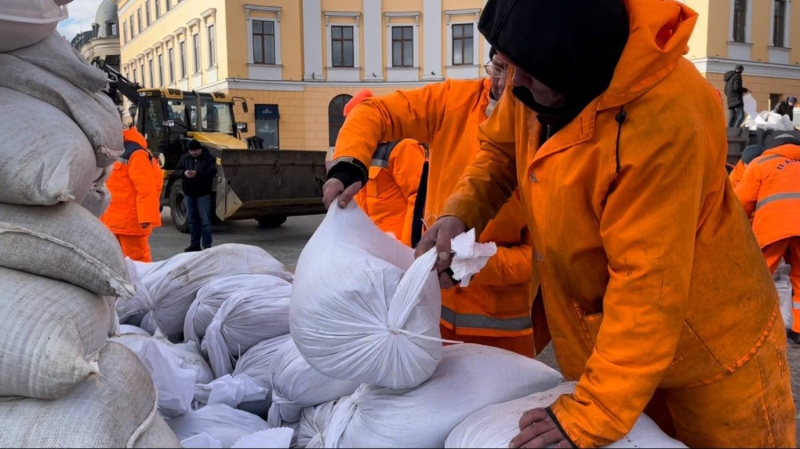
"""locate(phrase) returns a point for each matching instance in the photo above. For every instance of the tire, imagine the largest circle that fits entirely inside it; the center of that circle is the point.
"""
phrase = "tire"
(271, 221)
(177, 208)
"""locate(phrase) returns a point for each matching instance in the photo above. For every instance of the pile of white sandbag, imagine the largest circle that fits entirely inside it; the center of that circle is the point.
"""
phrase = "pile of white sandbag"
(61, 270)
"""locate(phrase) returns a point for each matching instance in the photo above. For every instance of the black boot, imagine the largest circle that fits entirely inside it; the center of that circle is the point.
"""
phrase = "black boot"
(192, 249)
(793, 336)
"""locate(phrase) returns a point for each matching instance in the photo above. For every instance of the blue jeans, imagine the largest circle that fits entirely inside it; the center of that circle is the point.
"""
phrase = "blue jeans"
(736, 117)
(199, 212)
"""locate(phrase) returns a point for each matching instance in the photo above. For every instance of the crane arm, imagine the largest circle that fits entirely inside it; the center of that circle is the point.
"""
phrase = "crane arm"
(118, 84)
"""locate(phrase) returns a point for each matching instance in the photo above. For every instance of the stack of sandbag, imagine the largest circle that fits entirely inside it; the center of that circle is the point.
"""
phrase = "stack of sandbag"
(468, 379)
(165, 292)
(362, 308)
(495, 425)
(61, 270)
(783, 283)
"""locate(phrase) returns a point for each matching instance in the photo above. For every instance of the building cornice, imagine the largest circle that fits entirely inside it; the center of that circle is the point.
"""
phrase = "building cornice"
(763, 69)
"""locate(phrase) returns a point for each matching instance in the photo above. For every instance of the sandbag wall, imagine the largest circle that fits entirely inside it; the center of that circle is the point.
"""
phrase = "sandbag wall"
(62, 384)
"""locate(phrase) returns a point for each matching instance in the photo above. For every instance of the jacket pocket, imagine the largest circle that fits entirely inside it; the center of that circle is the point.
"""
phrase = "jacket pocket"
(372, 184)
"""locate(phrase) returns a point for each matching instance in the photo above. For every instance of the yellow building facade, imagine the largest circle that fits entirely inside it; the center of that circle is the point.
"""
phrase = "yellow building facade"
(756, 34)
(298, 62)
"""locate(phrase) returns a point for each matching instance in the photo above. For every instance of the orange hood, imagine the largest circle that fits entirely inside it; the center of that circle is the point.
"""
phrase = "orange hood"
(659, 37)
(132, 135)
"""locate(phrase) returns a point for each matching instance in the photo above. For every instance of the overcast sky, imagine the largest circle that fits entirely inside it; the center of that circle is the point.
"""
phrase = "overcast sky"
(81, 16)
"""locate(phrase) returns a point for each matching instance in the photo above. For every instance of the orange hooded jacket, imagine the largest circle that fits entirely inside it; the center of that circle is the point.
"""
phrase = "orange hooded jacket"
(628, 221)
(135, 186)
(770, 194)
(737, 173)
(446, 115)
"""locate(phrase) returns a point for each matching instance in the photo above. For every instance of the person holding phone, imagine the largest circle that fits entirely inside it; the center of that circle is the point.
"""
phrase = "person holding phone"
(197, 171)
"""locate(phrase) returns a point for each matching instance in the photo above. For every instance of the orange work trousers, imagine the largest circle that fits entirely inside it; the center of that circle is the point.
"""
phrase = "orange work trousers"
(753, 407)
(788, 249)
(135, 246)
(520, 345)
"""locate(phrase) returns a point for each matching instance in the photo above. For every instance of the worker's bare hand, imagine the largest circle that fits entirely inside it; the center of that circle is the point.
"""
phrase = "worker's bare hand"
(439, 236)
(145, 225)
(334, 188)
(445, 281)
(537, 429)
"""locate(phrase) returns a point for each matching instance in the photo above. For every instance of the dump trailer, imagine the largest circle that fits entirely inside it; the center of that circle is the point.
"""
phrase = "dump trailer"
(741, 138)
(265, 185)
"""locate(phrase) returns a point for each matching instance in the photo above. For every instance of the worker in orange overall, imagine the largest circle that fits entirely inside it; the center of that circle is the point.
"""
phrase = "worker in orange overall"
(495, 309)
(749, 153)
(770, 194)
(394, 178)
(135, 187)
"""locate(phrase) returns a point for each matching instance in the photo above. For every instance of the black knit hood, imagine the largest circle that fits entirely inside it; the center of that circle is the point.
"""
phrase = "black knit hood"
(571, 46)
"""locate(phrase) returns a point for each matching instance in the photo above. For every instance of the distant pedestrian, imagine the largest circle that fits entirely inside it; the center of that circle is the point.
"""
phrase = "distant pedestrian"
(197, 171)
(735, 91)
(786, 107)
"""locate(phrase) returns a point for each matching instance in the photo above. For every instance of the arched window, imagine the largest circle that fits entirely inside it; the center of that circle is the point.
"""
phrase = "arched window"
(336, 117)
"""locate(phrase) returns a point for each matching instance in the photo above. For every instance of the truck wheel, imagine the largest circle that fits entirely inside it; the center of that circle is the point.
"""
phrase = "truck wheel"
(177, 208)
(271, 221)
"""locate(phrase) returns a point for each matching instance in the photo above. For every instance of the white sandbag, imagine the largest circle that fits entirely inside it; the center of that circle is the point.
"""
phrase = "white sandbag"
(63, 242)
(92, 111)
(158, 436)
(175, 385)
(277, 438)
(243, 321)
(362, 309)
(172, 285)
(469, 378)
(783, 284)
(296, 385)
(219, 421)
(125, 329)
(495, 425)
(188, 354)
(32, 172)
(313, 423)
(26, 22)
(210, 298)
(52, 334)
(113, 410)
(230, 391)
(258, 361)
(133, 310)
(99, 198)
(201, 441)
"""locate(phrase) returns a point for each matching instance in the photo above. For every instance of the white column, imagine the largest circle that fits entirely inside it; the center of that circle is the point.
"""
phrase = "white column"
(486, 45)
(373, 55)
(328, 44)
(312, 40)
(417, 43)
(475, 40)
(357, 45)
(432, 21)
(250, 59)
(449, 43)
(278, 59)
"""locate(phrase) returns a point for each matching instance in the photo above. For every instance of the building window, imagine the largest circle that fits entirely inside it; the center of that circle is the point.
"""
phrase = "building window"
(402, 46)
(212, 45)
(169, 4)
(342, 46)
(157, 4)
(779, 24)
(134, 76)
(139, 19)
(125, 31)
(161, 70)
(152, 78)
(133, 31)
(264, 42)
(171, 62)
(196, 50)
(147, 12)
(111, 29)
(463, 42)
(740, 20)
(267, 118)
(183, 59)
(336, 117)
(144, 80)
(774, 99)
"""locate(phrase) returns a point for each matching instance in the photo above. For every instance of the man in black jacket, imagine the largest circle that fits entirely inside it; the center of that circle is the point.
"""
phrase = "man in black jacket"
(735, 91)
(197, 170)
(786, 107)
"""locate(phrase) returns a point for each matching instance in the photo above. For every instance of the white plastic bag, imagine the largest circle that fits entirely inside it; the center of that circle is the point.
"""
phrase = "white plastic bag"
(222, 423)
(175, 385)
(188, 354)
(296, 385)
(230, 391)
(470, 257)
(26, 22)
(313, 423)
(201, 441)
(278, 438)
(258, 361)
(172, 285)
(495, 425)
(362, 308)
(210, 298)
(243, 321)
(469, 378)
(784, 286)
